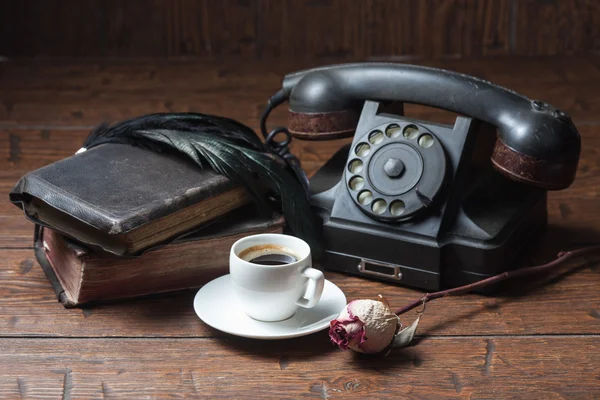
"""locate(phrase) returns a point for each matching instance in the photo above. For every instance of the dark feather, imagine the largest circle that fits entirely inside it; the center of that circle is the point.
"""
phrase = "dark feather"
(228, 147)
(189, 122)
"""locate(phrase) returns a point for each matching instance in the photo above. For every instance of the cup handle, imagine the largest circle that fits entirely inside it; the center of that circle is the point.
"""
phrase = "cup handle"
(312, 298)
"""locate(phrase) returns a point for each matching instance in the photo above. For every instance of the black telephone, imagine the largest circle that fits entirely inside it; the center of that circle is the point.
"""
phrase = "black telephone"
(420, 203)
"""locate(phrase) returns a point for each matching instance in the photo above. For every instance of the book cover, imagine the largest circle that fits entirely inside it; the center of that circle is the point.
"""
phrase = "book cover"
(123, 199)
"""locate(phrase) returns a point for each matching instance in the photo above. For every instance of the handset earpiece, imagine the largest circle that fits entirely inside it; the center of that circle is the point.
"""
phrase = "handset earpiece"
(318, 109)
(537, 144)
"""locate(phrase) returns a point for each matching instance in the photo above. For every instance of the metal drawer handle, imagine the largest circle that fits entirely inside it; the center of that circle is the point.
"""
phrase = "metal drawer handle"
(375, 268)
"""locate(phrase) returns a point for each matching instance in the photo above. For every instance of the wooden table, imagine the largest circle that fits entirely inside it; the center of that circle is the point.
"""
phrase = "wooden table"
(539, 343)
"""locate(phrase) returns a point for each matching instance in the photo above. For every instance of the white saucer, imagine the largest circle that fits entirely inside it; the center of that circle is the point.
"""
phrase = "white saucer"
(217, 306)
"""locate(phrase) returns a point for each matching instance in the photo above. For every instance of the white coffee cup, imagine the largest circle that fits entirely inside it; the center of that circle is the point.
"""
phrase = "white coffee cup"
(274, 292)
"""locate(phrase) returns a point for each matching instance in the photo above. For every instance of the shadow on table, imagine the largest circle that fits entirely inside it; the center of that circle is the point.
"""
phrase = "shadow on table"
(313, 346)
(409, 357)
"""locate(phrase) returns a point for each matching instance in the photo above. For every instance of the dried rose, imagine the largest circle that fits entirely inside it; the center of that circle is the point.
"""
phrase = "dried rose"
(366, 326)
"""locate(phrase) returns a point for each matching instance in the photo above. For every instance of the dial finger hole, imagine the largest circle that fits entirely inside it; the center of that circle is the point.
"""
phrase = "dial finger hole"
(411, 132)
(376, 137)
(365, 197)
(357, 183)
(397, 208)
(355, 166)
(426, 141)
(379, 206)
(393, 131)
(362, 149)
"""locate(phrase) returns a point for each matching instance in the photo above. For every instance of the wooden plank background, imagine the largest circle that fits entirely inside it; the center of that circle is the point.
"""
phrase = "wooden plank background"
(298, 29)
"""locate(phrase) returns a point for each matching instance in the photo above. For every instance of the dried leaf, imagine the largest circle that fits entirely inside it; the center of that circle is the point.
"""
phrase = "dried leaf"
(406, 335)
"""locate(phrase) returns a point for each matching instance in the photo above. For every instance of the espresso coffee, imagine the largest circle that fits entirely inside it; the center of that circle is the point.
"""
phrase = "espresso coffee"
(268, 254)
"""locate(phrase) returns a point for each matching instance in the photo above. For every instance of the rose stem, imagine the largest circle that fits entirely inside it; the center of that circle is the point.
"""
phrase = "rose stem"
(562, 258)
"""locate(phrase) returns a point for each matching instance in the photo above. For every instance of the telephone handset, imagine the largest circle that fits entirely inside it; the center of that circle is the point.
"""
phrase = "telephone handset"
(413, 201)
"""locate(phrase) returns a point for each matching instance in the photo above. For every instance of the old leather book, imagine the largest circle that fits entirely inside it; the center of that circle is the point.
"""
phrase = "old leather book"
(124, 199)
(79, 275)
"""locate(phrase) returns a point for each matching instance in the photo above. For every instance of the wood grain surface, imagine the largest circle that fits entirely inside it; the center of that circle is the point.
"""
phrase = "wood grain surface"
(537, 340)
(437, 368)
(556, 27)
(310, 29)
(27, 297)
(255, 29)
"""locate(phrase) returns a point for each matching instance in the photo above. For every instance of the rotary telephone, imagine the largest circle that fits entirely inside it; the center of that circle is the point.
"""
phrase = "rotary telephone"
(419, 203)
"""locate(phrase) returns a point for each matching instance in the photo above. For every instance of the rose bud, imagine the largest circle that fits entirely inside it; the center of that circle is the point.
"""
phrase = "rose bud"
(366, 326)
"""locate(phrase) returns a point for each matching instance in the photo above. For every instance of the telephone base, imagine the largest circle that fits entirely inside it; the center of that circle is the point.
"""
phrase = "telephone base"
(436, 264)
(480, 225)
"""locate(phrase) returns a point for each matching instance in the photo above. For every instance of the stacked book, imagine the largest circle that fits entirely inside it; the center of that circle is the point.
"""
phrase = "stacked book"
(119, 221)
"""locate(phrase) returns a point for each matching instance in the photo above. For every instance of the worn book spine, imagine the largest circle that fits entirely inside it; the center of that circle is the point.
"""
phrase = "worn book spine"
(40, 255)
(100, 276)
